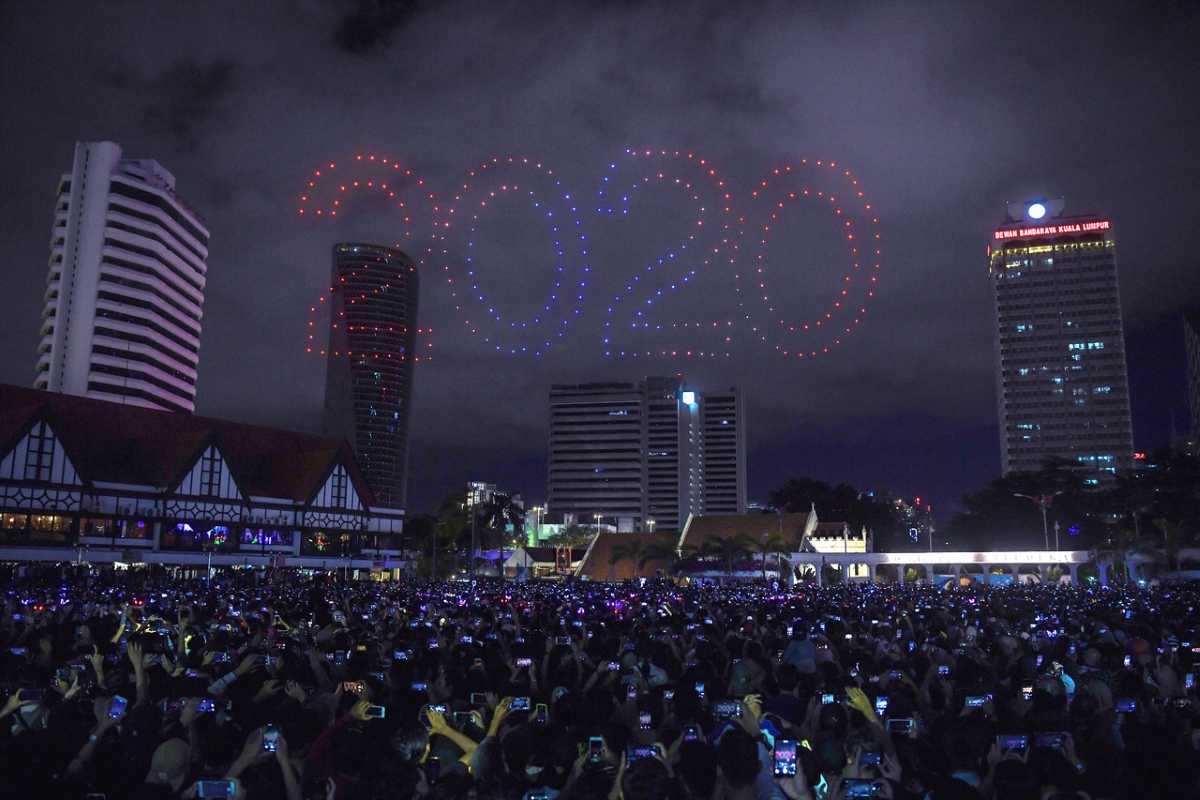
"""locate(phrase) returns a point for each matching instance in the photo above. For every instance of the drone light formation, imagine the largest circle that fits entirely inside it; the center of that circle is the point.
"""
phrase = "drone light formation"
(723, 250)
(856, 225)
(561, 302)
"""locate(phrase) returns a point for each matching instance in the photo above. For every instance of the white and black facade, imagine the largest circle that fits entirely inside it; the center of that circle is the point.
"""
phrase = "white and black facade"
(123, 483)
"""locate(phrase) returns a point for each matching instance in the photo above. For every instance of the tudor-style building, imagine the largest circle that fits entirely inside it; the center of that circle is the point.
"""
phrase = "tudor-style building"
(123, 483)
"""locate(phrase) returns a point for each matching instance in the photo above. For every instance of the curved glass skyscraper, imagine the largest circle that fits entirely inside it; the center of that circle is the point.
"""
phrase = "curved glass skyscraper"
(368, 378)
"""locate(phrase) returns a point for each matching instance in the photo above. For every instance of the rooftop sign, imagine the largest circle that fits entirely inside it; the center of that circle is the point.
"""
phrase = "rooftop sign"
(1051, 230)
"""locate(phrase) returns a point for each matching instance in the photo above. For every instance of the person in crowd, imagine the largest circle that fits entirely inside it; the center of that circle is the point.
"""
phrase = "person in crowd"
(148, 684)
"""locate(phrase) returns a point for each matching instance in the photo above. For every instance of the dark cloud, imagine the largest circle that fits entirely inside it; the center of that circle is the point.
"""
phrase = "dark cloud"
(187, 98)
(370, 22)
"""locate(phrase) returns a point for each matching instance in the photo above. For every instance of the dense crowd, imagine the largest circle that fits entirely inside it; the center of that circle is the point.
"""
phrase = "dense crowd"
(273, 685)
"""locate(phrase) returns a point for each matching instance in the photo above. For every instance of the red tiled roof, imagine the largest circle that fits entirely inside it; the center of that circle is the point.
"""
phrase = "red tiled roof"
(115, 443)
(758, 526)
(598, 568)
(546, 555)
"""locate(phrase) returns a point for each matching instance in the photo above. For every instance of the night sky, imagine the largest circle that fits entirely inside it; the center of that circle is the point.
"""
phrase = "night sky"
(940, 115)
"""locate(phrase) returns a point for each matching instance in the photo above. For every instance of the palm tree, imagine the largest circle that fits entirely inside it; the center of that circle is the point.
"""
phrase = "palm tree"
(680, 561)
(1113, 552)
(659, 551)
(570, 537)
(772, 545)
(631, 552)
(806, 573)
(498, 513)
(729, 549)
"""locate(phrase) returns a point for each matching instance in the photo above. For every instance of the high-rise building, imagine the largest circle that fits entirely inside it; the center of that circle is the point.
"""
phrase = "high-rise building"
(644, 456)
(369, 372)
(125, 286)
(1062, 386)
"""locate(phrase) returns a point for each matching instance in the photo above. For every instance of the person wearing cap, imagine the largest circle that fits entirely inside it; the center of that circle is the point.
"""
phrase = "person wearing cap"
(800, 649)
(170, 765)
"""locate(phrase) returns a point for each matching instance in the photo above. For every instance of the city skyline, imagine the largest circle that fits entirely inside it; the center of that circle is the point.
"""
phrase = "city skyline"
(244, 110)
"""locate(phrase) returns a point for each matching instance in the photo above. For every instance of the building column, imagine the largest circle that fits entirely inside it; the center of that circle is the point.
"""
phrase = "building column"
(1074, 573)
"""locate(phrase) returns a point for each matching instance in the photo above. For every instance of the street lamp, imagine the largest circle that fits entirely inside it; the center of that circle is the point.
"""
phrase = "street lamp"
(650, 524)
(471, 555)
(537, 533)
(1043, 502)
(208, 552)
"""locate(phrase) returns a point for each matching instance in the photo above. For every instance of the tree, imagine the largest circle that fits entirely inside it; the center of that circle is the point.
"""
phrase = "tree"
(570, 537)
(729, 549)
(662, 551)
(419, 532)
(841, 503)
(495, 516)
(995, 518)
(452, 528)
(1166, 492)
(772, 545)
(631, 552)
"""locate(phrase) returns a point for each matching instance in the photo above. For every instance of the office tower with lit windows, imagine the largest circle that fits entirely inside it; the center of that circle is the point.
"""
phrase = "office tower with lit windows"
(1062, 386)
(369, 368)
(125, 285)
(643, 456)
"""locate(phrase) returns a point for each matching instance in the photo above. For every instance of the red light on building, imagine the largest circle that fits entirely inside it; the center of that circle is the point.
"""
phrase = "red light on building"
(1051, 230)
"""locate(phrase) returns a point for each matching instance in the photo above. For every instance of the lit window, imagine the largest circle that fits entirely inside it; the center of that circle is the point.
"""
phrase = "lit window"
(40, 455)
(339, 488)
(210, 473)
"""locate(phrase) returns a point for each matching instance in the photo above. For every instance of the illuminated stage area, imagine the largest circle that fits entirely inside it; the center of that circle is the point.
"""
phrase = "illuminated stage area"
(947, 569)
(996, 567)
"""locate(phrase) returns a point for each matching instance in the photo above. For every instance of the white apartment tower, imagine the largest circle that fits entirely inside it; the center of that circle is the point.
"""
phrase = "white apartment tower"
(644, 456)
(1062, 386)
(125, 286)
